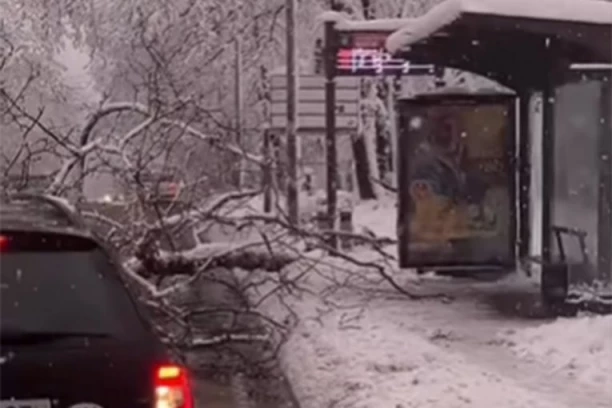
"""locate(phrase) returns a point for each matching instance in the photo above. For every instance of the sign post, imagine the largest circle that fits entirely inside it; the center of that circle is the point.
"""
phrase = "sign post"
(330, 130)
(311, 106)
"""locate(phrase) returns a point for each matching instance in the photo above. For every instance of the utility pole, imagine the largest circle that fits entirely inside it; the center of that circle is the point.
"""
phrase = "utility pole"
(292, 90)
(604, 261)
(238, 99)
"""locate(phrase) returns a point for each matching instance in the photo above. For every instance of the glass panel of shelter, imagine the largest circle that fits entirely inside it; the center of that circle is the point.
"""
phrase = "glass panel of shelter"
(576, 221)
(575, 192)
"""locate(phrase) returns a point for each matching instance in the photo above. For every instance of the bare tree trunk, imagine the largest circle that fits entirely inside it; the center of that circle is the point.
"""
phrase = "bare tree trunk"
(363, 170)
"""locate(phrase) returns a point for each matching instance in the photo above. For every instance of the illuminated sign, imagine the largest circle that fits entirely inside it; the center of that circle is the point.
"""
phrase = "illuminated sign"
(362, 61)
(362, 53)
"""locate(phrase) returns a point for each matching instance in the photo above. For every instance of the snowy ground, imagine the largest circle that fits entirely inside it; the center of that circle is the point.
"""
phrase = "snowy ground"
(581, 348)
(481, 346)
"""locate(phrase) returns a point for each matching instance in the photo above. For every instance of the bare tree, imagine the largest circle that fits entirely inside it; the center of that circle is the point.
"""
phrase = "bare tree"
(32, 89)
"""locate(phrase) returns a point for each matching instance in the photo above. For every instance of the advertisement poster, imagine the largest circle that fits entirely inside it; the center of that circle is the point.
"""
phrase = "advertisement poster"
(457, 187)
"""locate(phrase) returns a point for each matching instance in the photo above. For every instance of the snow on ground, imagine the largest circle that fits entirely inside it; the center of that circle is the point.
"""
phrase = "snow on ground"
(378, 216)
(350, 350)
(580, 347)
(357, 343)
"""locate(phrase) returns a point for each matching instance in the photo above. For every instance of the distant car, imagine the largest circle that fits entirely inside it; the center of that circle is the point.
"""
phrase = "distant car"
(162, 185)
(71, 333)
(158, 183)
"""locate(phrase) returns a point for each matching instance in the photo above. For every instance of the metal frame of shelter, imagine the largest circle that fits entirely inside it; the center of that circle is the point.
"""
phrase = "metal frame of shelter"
(530, 48)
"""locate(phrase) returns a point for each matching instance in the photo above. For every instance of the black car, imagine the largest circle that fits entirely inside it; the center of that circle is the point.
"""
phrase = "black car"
(71, 333)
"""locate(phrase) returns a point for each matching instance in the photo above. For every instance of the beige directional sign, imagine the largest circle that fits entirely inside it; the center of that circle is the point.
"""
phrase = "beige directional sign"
(311, 102)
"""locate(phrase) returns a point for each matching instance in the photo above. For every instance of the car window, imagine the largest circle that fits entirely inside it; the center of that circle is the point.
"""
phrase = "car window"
(65, 291)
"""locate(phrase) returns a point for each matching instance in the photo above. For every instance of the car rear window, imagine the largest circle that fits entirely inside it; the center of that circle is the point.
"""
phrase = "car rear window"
(55, 283)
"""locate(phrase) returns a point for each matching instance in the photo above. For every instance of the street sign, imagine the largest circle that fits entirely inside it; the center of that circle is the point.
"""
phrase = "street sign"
(311, 102)
(313, 82)
(279, 95)
(317, 108)
(311, 122)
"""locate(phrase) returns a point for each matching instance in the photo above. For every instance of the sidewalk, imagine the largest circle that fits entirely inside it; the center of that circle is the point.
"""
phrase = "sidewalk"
(356, 348)
(349, 350)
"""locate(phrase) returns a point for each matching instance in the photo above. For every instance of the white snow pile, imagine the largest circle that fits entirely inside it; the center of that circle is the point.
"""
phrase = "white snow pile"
(580, 347)
(377, 217)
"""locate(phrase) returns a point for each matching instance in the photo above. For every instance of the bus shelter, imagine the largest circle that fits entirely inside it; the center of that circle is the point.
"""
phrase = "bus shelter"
(561, 51)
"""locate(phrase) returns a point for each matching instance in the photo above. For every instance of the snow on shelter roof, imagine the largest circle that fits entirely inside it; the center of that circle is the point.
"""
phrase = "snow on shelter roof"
(344, 23)
(576, 11)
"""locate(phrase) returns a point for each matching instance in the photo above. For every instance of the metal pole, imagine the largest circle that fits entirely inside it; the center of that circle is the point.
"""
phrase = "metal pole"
(267, 174)
(524, 175)
(604, 257)
(548, 170)
(330, 130)
(292, 159)
(239, 103)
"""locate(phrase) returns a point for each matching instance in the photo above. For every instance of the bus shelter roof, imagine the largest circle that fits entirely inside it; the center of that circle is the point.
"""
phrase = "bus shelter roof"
(520, 43)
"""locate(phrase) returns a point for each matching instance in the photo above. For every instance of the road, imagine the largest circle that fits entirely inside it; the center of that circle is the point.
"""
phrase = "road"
(210, 394)
(231, 375)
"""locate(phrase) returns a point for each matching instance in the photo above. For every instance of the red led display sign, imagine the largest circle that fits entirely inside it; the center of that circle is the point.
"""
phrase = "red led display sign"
(363, 54)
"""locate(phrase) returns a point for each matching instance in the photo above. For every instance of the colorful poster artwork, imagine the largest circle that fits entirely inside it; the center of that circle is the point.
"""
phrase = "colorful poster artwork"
(459, 183)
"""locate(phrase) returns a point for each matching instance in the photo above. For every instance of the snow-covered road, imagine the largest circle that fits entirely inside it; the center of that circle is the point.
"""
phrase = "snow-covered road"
(361, 348)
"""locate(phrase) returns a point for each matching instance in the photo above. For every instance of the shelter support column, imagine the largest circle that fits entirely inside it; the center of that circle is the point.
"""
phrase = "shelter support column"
(604, 241)
(524, 176)
(548, 169)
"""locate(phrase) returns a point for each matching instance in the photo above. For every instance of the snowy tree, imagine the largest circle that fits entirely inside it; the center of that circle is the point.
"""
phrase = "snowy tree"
(35, 99)
(174, 60)
(180, 58)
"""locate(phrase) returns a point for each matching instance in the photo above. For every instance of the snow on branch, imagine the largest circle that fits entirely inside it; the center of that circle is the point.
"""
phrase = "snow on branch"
(198, 214)
(119, 147)
(218, 142)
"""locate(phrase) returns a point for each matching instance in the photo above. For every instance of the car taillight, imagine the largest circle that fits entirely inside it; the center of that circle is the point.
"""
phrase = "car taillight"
(4, 242)
(172, 388)
(26, 241)
(174, 189)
